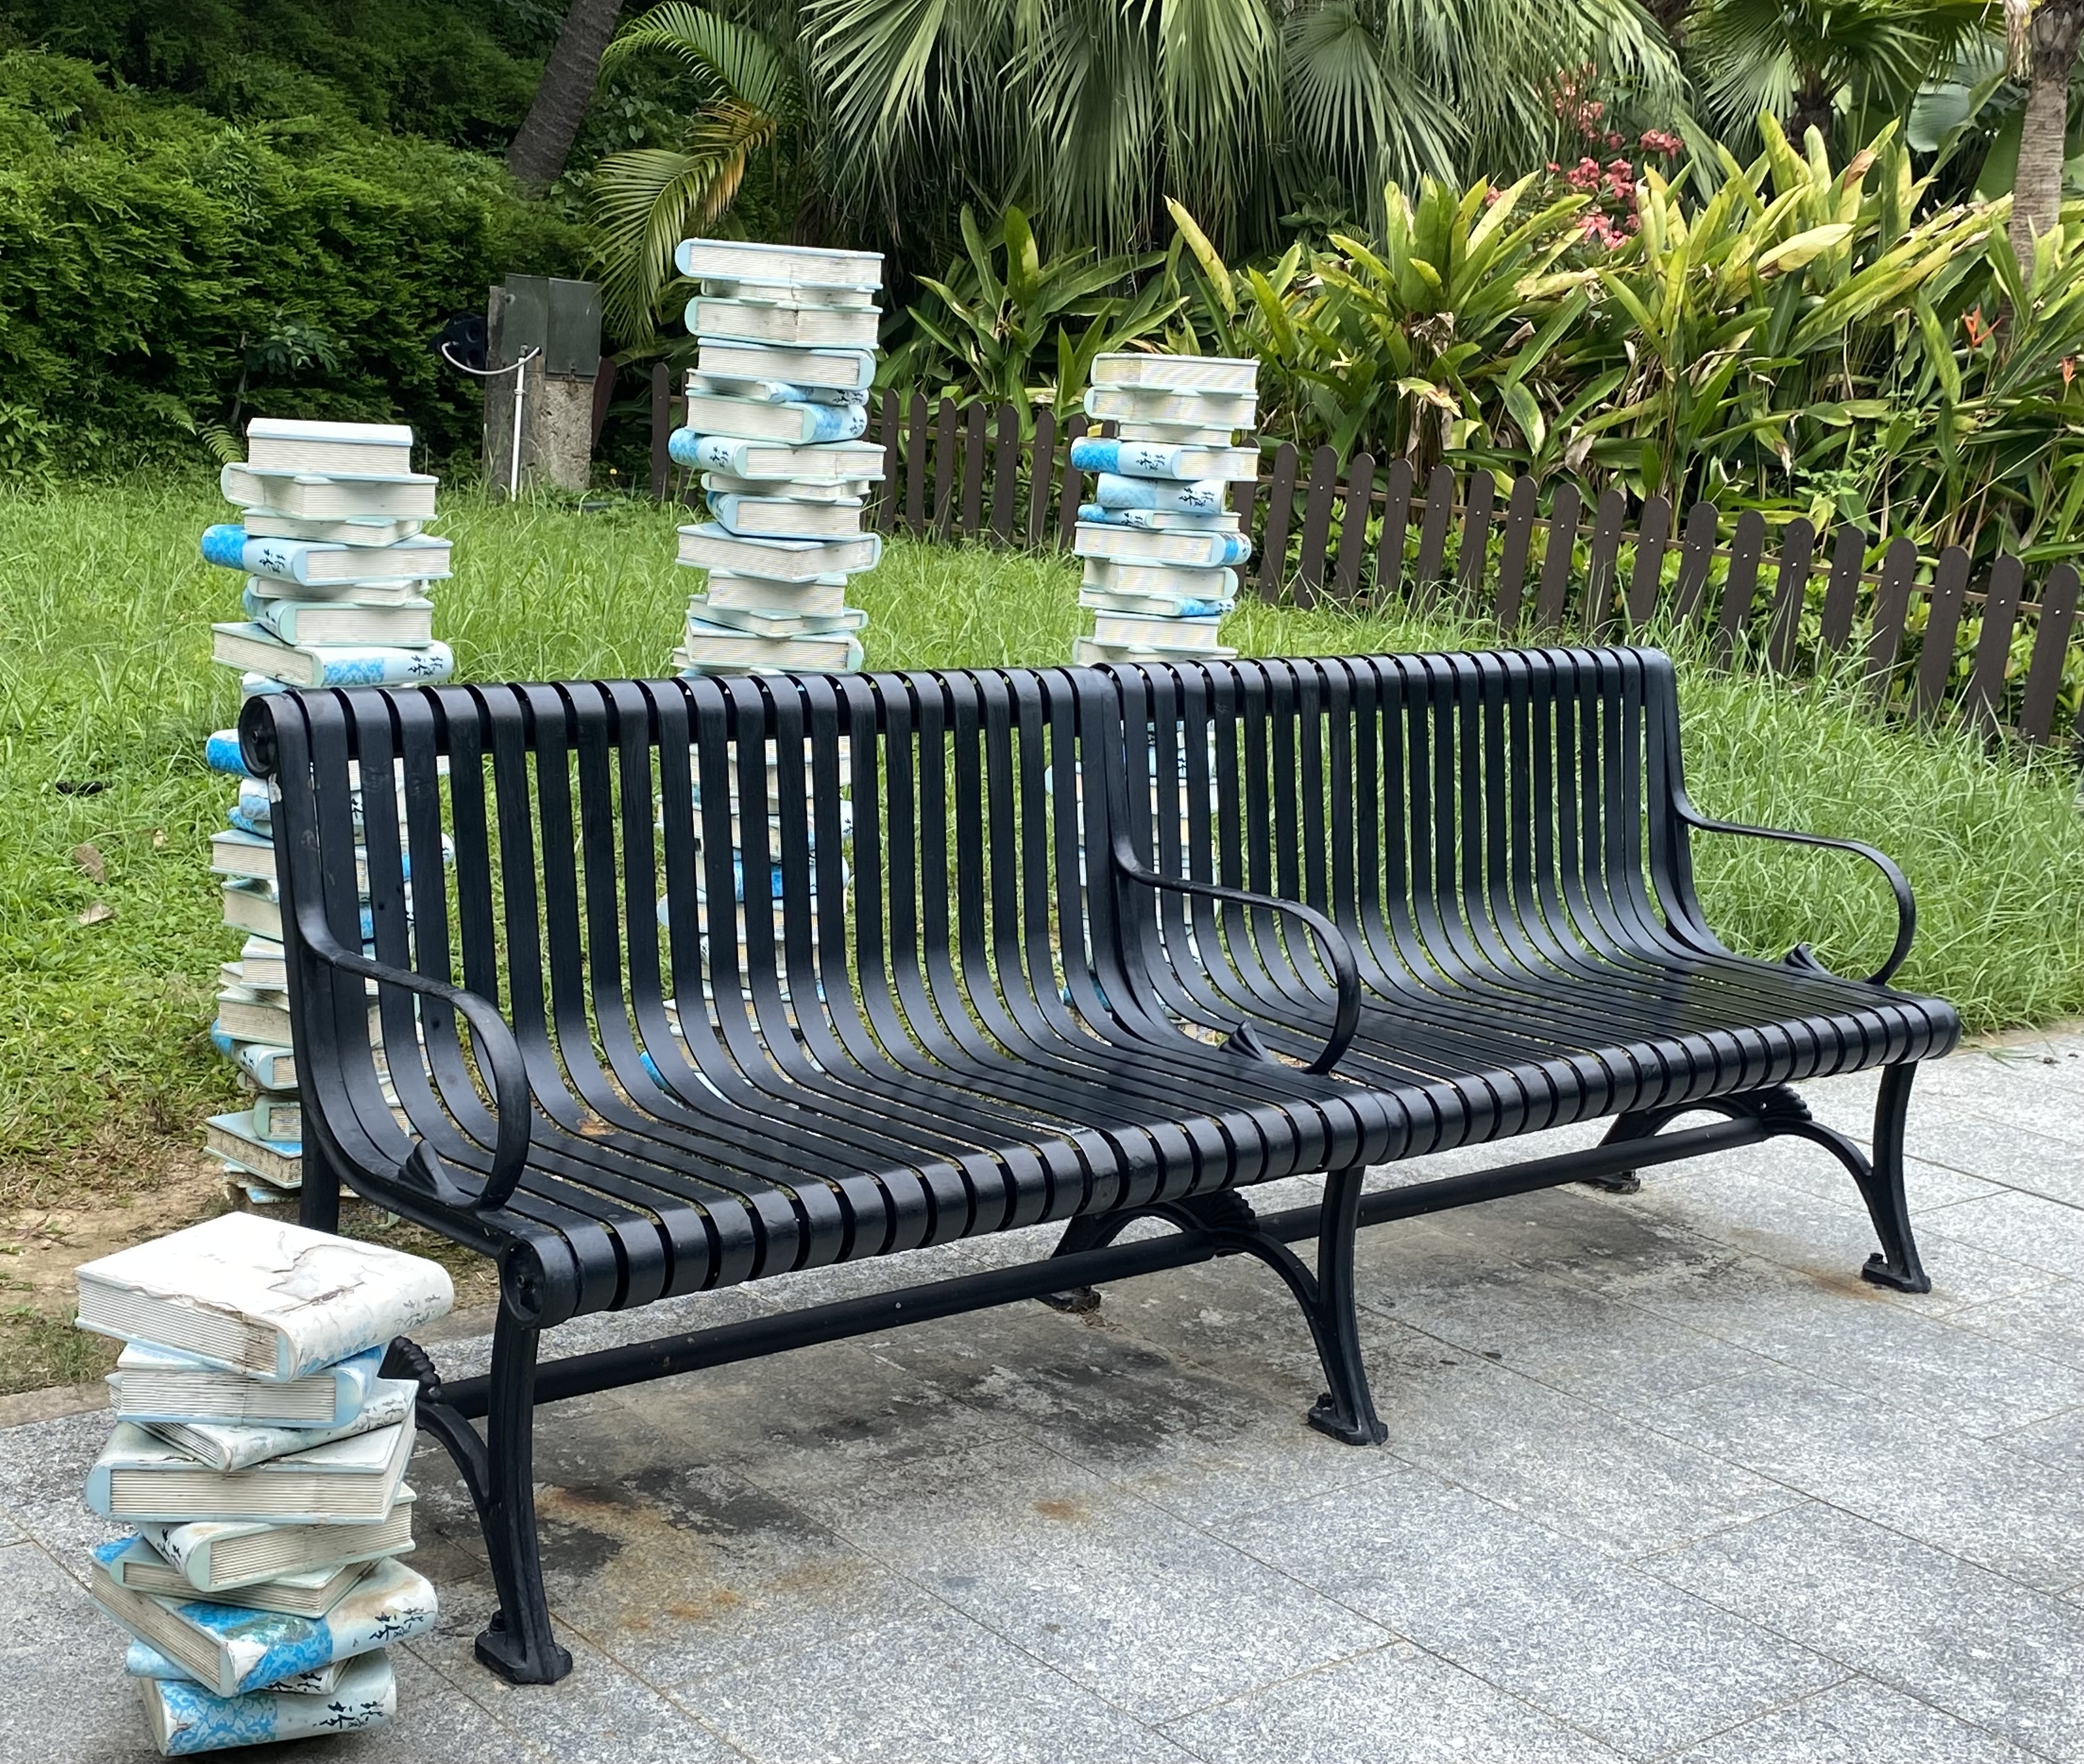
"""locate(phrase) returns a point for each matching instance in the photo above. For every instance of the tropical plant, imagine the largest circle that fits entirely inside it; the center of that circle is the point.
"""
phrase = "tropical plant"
(642, 202)
(1087, 113)
(2044, 37)
(1001, 318)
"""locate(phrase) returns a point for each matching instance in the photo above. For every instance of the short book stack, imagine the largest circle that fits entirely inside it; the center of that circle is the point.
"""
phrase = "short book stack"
(261, 1458)
(1161, 548)
(778, 403)
(336, 571)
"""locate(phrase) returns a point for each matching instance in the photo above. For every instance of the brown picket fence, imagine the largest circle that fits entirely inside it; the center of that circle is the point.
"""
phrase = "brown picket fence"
(1930, 641)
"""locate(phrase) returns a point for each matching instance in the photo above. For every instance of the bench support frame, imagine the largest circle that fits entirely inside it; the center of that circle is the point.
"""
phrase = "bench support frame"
(498, 1470)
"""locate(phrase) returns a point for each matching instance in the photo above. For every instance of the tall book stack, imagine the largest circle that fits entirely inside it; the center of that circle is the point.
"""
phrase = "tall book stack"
(778, 403)
(1161, 549)
(336, 571)
(260, 1457)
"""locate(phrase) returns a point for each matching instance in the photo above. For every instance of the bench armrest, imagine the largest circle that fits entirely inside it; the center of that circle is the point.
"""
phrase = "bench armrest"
(1800, 955)
(1338, 953)
(498, 1054)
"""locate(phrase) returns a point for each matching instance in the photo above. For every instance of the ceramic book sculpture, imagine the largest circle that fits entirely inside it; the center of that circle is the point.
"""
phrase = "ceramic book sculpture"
(335, 573)
(777, 403)
(1161, 550)
(261, 1455)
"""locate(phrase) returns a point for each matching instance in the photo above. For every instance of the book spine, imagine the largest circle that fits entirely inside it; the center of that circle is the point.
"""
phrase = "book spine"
(220, 754)
(187, 1719)
(706, 453)
(384, 666)
(1193, 496)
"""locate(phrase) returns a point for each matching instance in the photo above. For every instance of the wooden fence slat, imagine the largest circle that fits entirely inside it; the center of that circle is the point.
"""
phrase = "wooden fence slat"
(1396, 523)
(1790, 594)
(1433, 535)
(1993, 646)
(1004, 474)
(1512, 555)
(1475, 556)
(973, 451)
(1073, 491)
(1280, 510)
(1601, 615)
(1316, 525)
(1841, 593)
(2051, 647)
(915, 469)
(1942, 623)
(1563, 516)
(1747, 544)
(1689, 593)
(893, 413)
(662, 428)
(1652, 532)
(945, 469)
(1353, 523)
(1891, 612)
(1041, 476)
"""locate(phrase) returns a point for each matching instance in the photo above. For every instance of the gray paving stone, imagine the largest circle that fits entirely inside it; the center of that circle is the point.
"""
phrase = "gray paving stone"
(2010, 1154)
(1397, 1705)
(43, 1467)
(1979, 1501)
(10, 1532)
(2028, 1229)
(1857, 1722)
(68, 1702)
(930, 1684)
(1973, 1644)
(2049, 1321)
(1593, 1643)
(1146, 1611)
(2058, 1440)
(599, 1714)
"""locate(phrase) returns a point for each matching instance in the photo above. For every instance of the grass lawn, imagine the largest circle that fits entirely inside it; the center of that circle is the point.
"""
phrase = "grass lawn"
(109, 929)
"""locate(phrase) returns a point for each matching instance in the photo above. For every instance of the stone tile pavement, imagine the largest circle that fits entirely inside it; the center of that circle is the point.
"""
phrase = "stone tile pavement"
(1664, 1481)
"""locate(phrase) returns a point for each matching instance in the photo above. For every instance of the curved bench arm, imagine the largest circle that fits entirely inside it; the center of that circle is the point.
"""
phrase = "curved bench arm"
(498, 1054)
(1906, 903)
(1338, 953)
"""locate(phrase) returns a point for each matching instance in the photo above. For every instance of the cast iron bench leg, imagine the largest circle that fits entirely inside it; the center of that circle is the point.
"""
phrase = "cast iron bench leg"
(518, 1645)
(1783, 1111)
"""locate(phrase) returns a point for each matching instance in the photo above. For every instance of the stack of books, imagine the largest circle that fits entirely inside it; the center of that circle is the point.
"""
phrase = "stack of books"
(336, 570)
(260, 1457)
(1161, 549)
(778, 403)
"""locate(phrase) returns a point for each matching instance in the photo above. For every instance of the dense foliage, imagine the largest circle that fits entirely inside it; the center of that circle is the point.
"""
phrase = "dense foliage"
(165, 269)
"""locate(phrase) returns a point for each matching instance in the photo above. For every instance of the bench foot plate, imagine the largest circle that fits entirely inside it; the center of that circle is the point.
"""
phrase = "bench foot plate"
(1879, 1272)
(1326, 1418)
(1078, 1301)
(516, 1662)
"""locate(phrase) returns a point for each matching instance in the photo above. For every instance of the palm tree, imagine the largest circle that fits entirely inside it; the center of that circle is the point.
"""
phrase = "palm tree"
(544, 140)
(644, 201)
(2044, 39)
(1803, 61)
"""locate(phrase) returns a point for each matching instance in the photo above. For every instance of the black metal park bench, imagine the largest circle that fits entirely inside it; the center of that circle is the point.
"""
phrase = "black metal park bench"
(731, 978)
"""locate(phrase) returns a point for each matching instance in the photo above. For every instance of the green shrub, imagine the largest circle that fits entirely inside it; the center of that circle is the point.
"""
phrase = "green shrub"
(161, 268)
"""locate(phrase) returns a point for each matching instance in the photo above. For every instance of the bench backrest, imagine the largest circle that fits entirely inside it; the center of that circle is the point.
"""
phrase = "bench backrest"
(894, 860)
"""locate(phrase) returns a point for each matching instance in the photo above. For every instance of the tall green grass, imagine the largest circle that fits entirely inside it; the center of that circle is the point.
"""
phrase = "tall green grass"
(106, 686)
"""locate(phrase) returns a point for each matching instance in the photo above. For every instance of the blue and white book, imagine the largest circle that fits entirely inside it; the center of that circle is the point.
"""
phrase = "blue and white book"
(1150, 458)
(351, 1482)
(1186, 410)
(306, 562)
(1202, 550)
(228, 1650)
(801, 424)
(228, 1448)
(217, 1556)
(220, 753)
(763, 622)
(789, 266)
(843, 369)
(142, 1661)
(1154, 605)
(305, 444)
(257, 649)
(782, 517)
(274, 1301)
(407, 624)
(153, 1384)
(792, 323)
(716, 649)
(233, 1139)
(1231, 374)
(772, 392)
(1188, 496)
(186, 1720)
(713, 546)
(1162, 580)
(310, 1592)
(819, 463)
(308, 495)
(265, 523)
(1151, 521)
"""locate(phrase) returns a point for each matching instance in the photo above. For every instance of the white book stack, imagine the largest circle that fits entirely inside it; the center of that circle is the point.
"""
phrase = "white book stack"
(337, 573)
(777, 404)
(1161, 549)
(260, 1456)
